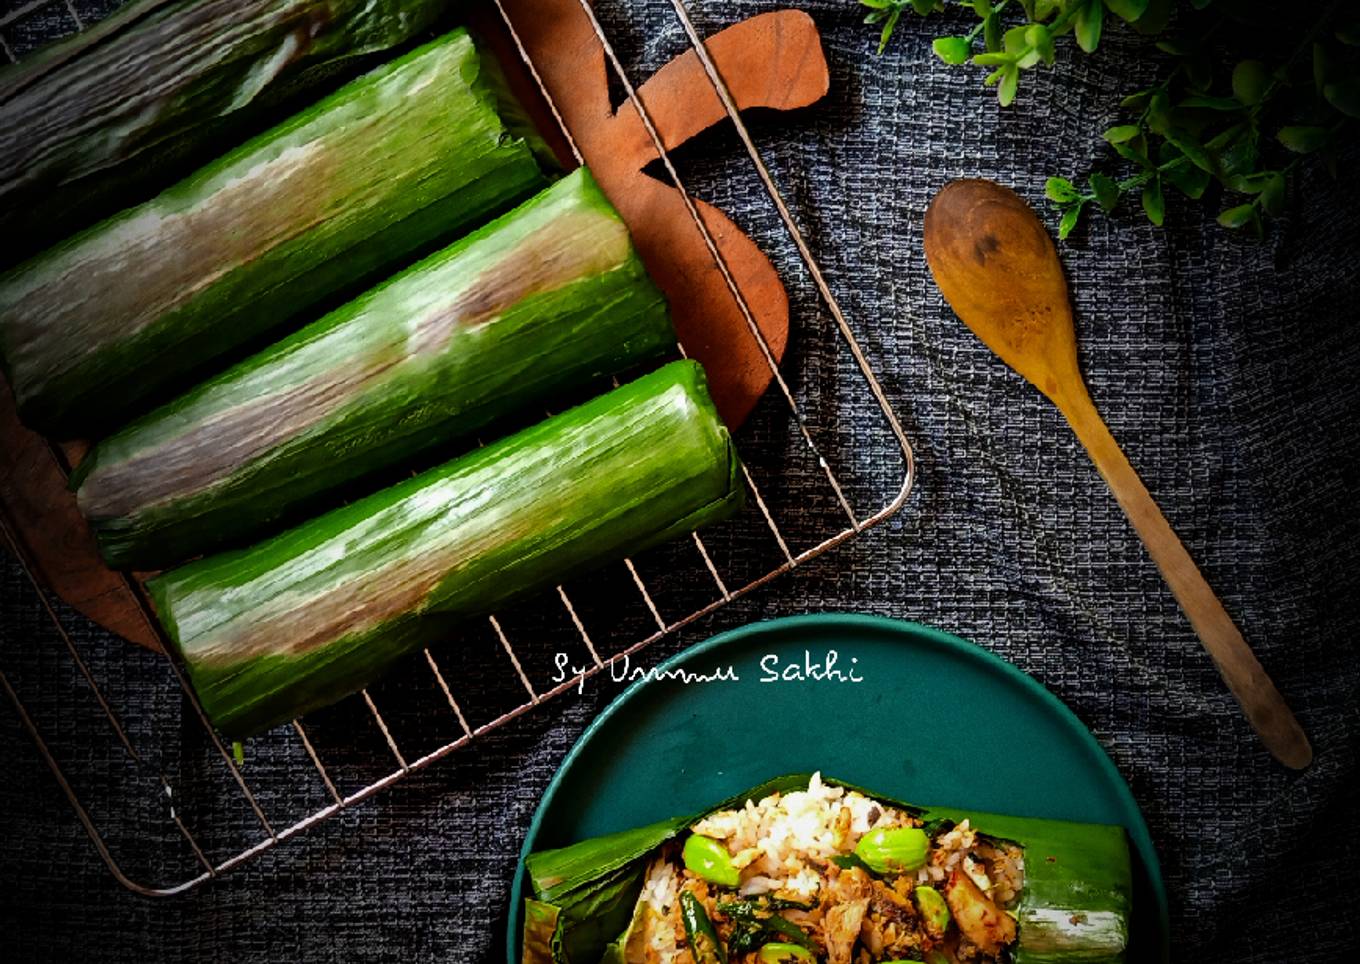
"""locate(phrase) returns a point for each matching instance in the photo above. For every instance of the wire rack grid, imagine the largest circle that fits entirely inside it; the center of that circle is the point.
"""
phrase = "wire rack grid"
(209, 860)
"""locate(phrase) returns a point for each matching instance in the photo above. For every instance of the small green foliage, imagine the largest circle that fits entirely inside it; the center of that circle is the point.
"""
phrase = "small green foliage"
(1089, 19)
(1122, 133)
(1127, 10)
(1105, 190)
(1303, 139)
(1238, 217)
(1250, 81)
(1071, 215)
(1154, 202)
(1253, 89)
(1060, 190)
(953, 50)
(1344, 95)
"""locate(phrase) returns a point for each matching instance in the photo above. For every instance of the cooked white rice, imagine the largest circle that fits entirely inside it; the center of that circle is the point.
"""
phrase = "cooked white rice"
(782, 842)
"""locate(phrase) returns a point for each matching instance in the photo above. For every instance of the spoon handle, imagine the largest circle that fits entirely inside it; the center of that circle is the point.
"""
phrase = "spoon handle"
(1262, 703)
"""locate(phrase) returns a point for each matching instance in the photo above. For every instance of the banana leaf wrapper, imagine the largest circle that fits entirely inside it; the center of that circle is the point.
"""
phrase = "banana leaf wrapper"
(1074, 909)
(298, 621)
(544, 300)
(103, 118)
(386, 169)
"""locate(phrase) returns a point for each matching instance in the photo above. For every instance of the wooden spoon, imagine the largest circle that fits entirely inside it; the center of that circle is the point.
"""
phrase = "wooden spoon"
(998, 269)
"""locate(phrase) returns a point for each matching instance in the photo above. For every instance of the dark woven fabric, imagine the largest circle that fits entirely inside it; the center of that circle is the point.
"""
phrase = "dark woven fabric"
(1225, 367)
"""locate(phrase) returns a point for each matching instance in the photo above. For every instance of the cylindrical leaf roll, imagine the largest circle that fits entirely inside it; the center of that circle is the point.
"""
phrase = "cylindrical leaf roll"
(382, 170)
(543, 300)
(97, 118)
(270, 632)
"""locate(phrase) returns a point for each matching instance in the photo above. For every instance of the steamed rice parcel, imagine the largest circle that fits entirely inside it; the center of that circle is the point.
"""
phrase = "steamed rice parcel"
(827, 874)
(806, 870)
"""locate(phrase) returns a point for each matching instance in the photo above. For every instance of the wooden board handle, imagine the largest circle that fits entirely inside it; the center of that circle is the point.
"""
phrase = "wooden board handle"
(1262, 703)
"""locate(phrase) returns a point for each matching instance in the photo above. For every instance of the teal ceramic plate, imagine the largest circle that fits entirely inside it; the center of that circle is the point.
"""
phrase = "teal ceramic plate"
(666, 747)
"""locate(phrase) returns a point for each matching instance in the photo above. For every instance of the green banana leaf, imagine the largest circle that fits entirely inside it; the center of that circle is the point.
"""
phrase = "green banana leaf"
(296, 622)
(103, 118)
(385, 170)
(547, 299)
(1074, 909)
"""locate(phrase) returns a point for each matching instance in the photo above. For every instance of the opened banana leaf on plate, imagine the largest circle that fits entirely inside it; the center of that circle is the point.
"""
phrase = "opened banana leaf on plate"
(298, 621)
(386, 169)
(802, 869)
(543, 300)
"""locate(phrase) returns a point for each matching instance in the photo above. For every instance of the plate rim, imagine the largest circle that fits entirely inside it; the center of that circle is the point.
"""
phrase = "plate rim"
(861, 621)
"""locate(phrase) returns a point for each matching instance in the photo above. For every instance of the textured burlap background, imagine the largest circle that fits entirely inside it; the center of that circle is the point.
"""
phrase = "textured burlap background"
(1225, 367)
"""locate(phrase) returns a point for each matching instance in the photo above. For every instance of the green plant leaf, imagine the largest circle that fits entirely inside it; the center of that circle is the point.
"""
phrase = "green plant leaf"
(1088, 23)
(1070, 217)
(1122, 133)
(1154, 203)
(1040, 38)
(1060, 190)
(1344, 95)
(1135, 150)
(1349, 33)
(1155, 18)
(1205, 102)
(991, 32)
(1127, 10)
(1186, 143)
(1136, 101)
(1322, 67)
(1199, 71)
(952, 50)
(983, 8)
(1106, 191)
(1241, 157)
(1188, 179)
(1250, 79)
(1249, 183)
(1010, 83)
(1159, 112)
(1303, 140)
(1273, 196)
(888, 26)
(1238, 217)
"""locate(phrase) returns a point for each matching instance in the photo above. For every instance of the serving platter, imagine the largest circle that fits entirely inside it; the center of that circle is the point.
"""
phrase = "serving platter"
(904, 709)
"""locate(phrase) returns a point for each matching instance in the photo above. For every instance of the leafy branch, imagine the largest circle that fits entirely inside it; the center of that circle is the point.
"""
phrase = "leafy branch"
(1231, 111)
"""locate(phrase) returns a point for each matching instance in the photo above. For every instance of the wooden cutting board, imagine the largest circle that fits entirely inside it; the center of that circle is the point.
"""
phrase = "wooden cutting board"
(771, 61)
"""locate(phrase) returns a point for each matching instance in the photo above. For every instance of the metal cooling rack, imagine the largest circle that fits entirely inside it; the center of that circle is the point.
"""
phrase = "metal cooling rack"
(254, 833)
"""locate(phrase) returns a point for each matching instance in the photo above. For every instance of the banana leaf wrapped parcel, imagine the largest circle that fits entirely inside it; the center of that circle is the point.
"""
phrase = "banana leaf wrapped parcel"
(275, 630)
(390, 167)
(107, 112)
(540, 302)
(802, 869)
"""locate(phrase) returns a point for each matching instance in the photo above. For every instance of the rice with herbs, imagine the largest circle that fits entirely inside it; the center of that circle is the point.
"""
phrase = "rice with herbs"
(796, 859)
